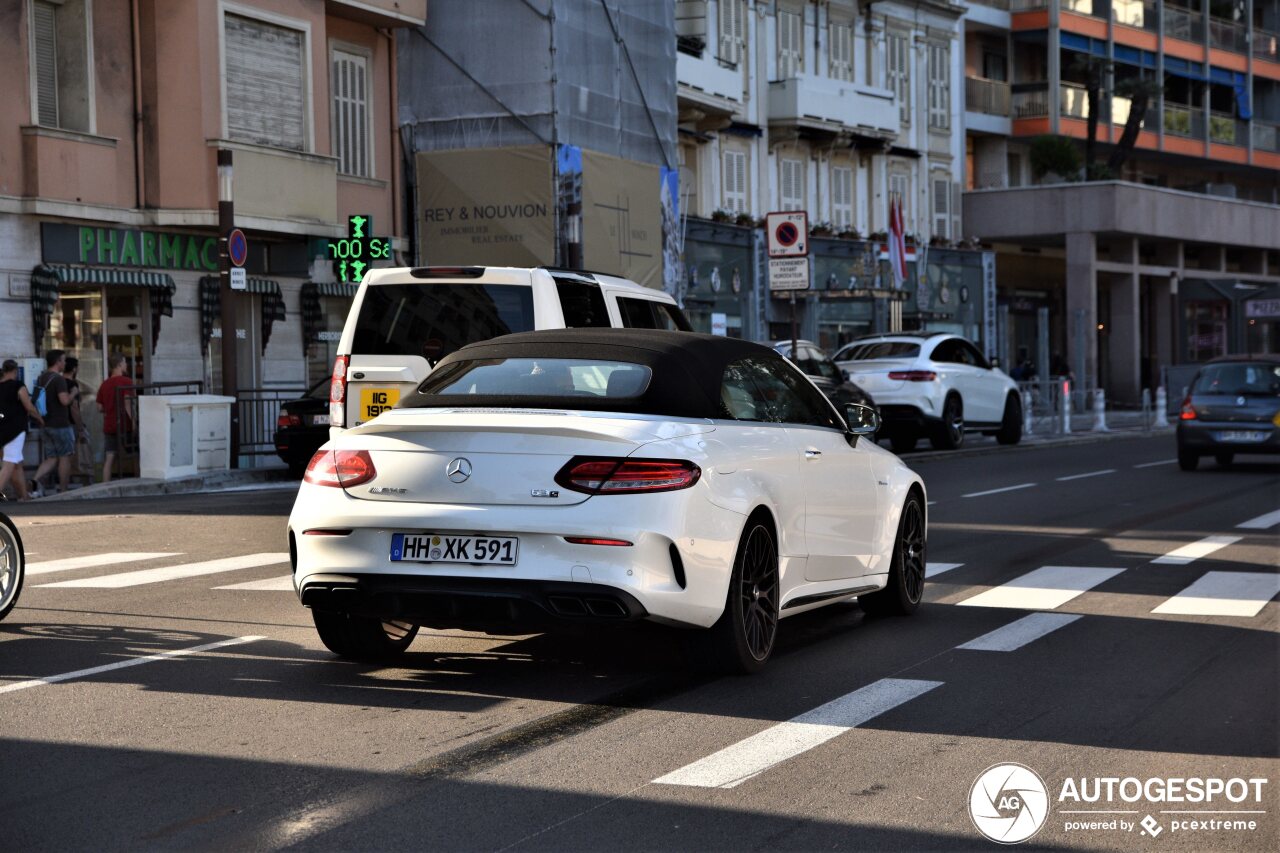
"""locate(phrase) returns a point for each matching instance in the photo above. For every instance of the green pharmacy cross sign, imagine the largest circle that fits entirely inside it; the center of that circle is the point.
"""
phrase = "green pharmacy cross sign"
(354, 254)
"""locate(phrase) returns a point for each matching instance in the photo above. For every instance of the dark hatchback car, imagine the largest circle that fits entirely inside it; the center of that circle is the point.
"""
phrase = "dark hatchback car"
(302, 426)
(1232, 406)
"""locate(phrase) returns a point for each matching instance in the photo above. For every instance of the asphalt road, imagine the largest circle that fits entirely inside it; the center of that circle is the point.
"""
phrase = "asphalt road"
(861, 734)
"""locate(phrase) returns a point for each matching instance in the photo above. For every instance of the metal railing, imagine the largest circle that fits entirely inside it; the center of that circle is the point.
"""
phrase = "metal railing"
(1266, 45)
(1228, 35)
(1093, 8)
(1185, 24)
(986, 96)
(1226, 129)
(128, 435)
(1027, 5)
(1030, 104)
(259, 408)
(1184, 121)
(1002, 5)
(1266, 136)
(1140, 14)
(1044, 403)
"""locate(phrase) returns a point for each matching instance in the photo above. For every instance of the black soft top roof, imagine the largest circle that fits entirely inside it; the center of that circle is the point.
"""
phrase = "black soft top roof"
(687, 369)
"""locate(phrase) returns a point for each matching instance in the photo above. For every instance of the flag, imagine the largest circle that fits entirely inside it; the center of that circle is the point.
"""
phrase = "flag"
(897, 244)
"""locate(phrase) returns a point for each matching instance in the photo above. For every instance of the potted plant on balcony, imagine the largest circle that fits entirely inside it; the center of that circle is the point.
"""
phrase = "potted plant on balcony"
(721, 215)
(745, 219)
(821, 229)
(848, 234)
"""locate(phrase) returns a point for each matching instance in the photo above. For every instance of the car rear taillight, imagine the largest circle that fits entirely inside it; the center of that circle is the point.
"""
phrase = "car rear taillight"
(286, 420)
(338, 392)
(614, 476)
(340, 468)
(913, 375)
(1188, 411)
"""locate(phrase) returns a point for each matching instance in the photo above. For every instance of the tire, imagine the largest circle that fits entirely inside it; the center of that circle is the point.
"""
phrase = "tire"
(361, 637)
(13, 565)
(905, 589)
(902, 443)
(1224, 459)
(949, 435)
(743, 637)
(1011, 424)
(1188, 461)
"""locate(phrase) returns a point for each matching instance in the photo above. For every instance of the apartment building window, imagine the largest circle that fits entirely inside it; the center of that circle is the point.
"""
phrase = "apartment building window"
(350, 121)
(733, 30)
(266, 83)
(841, 197)
(842, 52)
(791, 184)
(942, 207)
(790, 44)
(898, 73)
(734, 181)
(939, 86)
(900, 188)
(62, 58)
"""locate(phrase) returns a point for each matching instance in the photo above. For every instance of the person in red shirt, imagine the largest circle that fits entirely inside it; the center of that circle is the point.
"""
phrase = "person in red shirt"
(111, 421)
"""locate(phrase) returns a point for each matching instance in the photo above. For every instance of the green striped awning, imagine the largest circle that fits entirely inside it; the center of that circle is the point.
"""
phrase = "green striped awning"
(108, 276)
(333, 288)
(211, 306)
(47, 280)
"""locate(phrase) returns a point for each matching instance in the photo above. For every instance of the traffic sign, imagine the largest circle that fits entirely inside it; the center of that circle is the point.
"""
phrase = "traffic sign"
(788, 233)
(237, 247)
(239, 281)
(788, 274)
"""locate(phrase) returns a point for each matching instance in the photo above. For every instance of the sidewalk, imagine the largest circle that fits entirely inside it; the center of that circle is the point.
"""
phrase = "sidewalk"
(213, 481)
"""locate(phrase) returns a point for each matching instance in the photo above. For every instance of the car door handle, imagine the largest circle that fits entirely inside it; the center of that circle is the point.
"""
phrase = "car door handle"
(812, 454)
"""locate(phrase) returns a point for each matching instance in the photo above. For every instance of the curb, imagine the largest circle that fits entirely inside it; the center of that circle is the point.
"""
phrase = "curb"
(1080, 438)
(134, 488)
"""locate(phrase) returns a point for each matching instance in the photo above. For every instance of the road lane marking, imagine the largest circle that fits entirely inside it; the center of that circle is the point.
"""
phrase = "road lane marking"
(1194, 551)
(1045, 588)
(284, 582)
(1153, 464)
(1090, 474)
(91, 561)
(932, 569)
(168, 573)
(736, 764)
(1262, 522)
(96, 670)
(1015, 635)
(998, 491)
(1224, 594)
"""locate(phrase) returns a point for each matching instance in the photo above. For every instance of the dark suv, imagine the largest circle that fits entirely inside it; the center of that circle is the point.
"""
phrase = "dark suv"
(1232, 406)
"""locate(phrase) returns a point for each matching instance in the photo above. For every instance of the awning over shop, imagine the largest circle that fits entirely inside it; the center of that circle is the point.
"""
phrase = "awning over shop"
(312, 315)
(211, 306)
(48, 279)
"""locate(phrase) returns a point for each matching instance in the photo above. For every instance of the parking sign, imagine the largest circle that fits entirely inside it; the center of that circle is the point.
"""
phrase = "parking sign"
(788, 233)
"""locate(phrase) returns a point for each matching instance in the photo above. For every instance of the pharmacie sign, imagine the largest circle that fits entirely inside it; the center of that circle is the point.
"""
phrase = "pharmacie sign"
(127, 247)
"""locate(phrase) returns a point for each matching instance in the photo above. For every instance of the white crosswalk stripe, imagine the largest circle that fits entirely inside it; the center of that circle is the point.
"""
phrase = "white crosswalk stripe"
(1262, 522)
(185, 570)
(1224, 594)
(282, 583)
(93, 561)
(1045, 588)
(932, 569)
(1195, 550)
(1015, 635)
(736, 764)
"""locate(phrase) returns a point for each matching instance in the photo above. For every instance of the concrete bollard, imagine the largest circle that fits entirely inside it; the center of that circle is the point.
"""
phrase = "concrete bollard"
(1066, 406)
(1100, 411)
(1146, 408)
(1162, 408)
(1026, 413)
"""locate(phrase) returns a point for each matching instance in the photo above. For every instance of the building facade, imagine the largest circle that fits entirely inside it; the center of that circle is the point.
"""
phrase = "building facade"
(1165, 256)
(108, 204)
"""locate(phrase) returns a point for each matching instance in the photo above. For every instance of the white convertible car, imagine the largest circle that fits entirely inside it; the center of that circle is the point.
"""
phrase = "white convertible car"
(600, 475)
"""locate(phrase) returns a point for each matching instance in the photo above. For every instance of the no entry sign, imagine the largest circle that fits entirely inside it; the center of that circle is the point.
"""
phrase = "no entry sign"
(788, 233)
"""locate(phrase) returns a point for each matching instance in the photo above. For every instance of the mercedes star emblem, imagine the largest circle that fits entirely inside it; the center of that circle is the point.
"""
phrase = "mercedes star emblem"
(459, 470)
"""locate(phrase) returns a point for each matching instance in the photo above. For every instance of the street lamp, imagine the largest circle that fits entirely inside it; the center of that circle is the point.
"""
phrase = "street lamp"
(226, 298)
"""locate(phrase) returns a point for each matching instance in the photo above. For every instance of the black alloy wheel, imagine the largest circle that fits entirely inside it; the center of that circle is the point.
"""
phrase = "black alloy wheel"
(1011, 424)
(742, 639)
(950, 433)
(905, 589)
(12, 565)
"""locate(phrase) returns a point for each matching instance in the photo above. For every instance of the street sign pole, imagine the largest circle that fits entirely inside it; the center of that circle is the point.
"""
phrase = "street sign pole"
(787, 233)
(227, 299)
(793, 326)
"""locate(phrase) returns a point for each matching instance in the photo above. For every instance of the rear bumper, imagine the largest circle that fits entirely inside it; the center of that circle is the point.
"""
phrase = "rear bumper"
(899, 418)
(1202, 437)
(503, 606)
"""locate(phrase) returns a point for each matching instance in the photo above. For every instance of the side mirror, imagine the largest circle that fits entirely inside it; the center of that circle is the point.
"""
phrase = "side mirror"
(995, 363)
(861, 420)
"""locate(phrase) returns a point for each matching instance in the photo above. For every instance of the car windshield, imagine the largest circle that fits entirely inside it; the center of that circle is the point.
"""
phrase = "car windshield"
(435, 319)
(539, 377)
(1258, 379)
(879, 349)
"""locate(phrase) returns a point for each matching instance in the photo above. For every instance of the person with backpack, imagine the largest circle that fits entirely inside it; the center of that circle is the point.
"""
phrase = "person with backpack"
(58, 435)
(15, 408)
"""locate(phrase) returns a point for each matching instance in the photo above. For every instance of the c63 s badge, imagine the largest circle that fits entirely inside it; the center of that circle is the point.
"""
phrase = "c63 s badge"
(543, 493)
(387, 490)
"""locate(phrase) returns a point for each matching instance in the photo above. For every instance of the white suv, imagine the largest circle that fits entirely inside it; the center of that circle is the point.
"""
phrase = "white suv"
(404, 320)
(935, 385)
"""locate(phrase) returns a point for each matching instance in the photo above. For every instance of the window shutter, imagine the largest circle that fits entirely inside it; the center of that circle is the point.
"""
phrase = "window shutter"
(790, 44)
(842, 196)
(350, 91)
(897, 58)
(791, 189)
(939, 86)
(266, 89)
(731, 31)
(841, 52)
(46, 62)
(735, 181)
(942, 208)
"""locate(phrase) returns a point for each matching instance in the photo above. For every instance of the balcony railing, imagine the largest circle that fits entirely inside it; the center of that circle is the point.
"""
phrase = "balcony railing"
(1027, 5)
(1226, 129)
(986, 96)
(1266, 45)
(1002, 5)
(1184, 121)
(1094, 8)
(1031, 103)
(1185, 24)
(1140, 14)
(1266, 136)
(1228, 35)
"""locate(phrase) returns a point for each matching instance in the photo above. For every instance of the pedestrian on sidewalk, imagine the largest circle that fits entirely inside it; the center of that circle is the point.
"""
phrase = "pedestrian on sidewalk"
(15, 408)
(116, 423)
(82, 461)
(58, 435)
